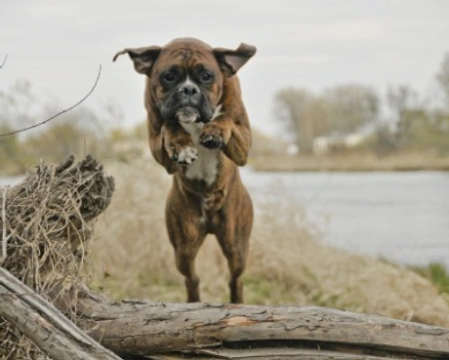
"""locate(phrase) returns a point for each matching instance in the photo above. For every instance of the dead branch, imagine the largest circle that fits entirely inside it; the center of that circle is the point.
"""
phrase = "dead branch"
(4, 235)
(60, 112)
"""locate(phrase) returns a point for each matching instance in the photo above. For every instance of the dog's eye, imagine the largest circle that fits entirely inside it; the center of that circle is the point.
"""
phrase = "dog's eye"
(169, 77)
(206, 77)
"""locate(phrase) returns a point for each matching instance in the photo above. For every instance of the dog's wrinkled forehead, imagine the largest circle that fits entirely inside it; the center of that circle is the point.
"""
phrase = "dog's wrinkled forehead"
(186, 57)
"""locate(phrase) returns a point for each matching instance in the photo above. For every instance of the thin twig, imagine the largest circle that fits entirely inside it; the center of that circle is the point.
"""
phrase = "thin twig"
(4, 237)
(59, 113)
(4, 61)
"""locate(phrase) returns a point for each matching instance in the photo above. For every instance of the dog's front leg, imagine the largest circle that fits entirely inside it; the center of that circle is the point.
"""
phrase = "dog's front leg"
(172, 146)
(178, 144)
(229, 128)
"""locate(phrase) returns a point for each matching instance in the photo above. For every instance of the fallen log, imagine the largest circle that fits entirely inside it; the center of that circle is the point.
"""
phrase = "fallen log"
(46, 249)
(45, 325)
(134, 327)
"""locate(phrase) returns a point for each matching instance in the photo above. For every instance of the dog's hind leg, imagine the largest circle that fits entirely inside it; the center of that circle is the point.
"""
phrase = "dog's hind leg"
(233, 236)
(186, 232)
(185, 262)
(235, 249)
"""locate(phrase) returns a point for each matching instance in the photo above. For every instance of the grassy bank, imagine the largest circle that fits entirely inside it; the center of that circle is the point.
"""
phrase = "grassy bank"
(438, 274)
(288, 264)
(357, 161)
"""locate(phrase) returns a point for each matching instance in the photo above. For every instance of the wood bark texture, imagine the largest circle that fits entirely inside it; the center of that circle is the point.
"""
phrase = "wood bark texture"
(45, 325)
(230, 331)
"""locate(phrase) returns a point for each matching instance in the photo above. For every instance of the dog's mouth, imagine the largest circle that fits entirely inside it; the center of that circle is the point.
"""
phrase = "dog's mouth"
(188, 114)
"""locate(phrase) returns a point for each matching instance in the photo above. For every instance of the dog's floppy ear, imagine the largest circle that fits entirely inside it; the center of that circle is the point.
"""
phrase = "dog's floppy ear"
(143, 58)
(232, 60)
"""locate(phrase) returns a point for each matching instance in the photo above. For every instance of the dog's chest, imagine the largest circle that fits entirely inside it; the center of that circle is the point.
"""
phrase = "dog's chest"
(205, 167)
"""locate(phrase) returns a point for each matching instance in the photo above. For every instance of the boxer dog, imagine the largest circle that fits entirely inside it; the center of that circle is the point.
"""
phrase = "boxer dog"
(199, 131)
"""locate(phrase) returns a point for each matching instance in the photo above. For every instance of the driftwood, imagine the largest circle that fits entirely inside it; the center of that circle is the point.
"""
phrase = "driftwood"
(133, 329)
(45, 325)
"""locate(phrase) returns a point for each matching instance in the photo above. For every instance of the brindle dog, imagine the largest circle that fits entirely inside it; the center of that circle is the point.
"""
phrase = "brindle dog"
(199, 131)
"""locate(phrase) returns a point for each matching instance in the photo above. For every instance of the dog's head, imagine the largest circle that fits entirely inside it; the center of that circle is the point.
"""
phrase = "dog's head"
(186, 77)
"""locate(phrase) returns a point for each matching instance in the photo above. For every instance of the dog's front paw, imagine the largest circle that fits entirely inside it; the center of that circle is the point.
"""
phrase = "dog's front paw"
(183, 155)
(213, 136)
(179, 145)
(186, 155)
(211, 141)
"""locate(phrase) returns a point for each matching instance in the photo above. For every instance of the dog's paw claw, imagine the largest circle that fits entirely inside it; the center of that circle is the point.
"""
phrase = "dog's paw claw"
(211, 141)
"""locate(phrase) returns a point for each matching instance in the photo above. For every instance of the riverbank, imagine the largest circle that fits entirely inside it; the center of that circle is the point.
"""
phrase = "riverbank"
(357, 161)
(288, 261)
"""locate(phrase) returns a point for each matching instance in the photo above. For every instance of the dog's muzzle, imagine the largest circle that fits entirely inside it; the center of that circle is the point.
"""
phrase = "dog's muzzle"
(189, 93)
(188, 114)
(187, 104)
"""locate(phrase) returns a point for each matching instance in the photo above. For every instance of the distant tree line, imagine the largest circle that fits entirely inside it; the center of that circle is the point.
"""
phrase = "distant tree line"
(79, 132)
(401, 120)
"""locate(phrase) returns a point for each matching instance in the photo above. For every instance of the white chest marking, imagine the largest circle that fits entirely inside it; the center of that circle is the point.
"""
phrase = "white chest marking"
(205, 167)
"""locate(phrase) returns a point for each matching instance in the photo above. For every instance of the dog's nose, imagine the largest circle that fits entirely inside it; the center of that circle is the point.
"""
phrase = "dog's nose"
(189, 90)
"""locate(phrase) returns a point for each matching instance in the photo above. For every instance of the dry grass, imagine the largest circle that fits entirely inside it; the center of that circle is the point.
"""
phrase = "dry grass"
(287, 264)
(44, 235)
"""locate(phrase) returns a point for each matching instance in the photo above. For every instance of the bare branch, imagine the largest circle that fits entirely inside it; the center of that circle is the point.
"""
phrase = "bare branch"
(59, 113)
(4, 61)
(4, 237)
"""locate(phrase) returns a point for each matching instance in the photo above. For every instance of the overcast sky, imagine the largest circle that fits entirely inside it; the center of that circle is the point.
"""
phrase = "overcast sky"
(58, 45)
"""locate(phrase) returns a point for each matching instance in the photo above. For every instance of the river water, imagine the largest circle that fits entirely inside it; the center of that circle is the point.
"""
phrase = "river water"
(400, 216)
